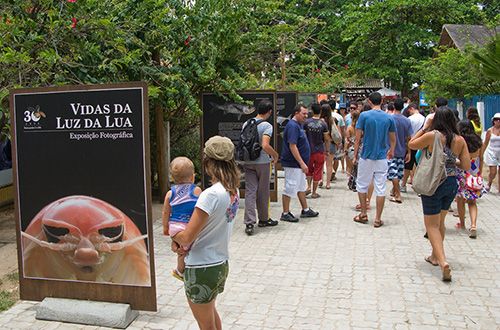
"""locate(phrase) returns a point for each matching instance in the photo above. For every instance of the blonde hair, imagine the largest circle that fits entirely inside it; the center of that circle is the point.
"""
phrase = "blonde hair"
(225, 172)
(181, 170)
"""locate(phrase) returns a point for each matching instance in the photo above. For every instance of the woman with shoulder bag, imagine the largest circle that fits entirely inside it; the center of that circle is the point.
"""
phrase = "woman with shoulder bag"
(435, 206)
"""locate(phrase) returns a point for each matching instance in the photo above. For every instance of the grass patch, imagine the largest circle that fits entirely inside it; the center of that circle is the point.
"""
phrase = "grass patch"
(6, 300)
(13, 277)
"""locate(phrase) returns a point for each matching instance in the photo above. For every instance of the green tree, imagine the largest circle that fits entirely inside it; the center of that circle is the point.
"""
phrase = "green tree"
(386, 38)
(452, 74)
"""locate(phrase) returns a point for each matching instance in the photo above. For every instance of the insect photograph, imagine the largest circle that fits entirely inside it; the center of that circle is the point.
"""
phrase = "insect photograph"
(85, 239)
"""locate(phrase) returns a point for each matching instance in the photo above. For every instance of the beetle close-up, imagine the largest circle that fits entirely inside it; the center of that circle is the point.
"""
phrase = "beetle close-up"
(87, 239)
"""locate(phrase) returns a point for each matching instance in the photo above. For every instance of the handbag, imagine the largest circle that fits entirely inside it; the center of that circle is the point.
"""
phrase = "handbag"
(335, 134)
(430, 172)
(473, 182)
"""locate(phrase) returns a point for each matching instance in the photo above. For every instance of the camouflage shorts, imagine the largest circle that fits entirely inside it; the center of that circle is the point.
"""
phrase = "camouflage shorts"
(202, 285)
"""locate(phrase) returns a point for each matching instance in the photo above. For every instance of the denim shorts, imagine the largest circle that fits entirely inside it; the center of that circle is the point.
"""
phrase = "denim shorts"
(442, 198)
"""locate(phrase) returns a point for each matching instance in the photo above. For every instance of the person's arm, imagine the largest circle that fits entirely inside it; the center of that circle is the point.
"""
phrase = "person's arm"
(347, 137)
(196, 223)
(464, 155)
(486, 141)
(421, 140)
(357, 142)
(408, 152)
(392, 142)
(296, 154)
(326, 138)
(165, 216)
(266, 146)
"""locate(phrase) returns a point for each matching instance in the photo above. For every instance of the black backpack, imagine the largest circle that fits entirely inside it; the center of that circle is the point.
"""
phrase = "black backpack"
(249, 147)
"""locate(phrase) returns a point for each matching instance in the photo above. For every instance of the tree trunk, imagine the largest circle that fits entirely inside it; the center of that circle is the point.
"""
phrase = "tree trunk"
(161, 143)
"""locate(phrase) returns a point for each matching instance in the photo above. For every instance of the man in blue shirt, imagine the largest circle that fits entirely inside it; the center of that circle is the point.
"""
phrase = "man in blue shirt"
(294, 158)
(374, 126)
(401, 153)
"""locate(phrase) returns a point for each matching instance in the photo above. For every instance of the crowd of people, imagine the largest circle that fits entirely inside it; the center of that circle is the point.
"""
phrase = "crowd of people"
(373, 146)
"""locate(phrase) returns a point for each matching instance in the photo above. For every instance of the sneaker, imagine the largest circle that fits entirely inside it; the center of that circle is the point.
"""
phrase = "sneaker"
(269, 223)
(249, 229)
(402, 189)
(288, 217)
(309, 213)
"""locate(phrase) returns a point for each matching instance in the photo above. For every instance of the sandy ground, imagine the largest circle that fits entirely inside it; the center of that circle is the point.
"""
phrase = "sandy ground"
(8, 249)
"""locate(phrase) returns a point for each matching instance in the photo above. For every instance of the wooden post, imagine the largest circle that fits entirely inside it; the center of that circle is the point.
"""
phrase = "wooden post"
(161, 164)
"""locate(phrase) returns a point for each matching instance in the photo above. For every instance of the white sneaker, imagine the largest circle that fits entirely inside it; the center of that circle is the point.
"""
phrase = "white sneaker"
(402, 189)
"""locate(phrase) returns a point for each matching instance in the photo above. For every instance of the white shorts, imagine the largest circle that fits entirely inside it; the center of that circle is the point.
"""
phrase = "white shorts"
(295, 181)
(492, 157)
(369, 170)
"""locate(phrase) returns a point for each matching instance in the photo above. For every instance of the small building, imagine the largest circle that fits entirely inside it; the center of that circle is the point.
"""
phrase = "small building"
(460, 35)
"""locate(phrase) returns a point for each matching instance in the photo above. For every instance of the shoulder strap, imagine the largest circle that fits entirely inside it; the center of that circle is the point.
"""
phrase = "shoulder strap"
(172, 192)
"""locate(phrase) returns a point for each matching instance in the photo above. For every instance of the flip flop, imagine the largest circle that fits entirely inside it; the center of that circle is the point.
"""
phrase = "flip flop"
(328, 187)
(446, 273)
(428, 259)
(394, 200)
(378, 224)
(361, 218)
(473, 233)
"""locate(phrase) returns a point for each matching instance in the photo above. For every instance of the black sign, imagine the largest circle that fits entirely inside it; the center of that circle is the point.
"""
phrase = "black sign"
(226, 118)
(82, 177)
(285, 104)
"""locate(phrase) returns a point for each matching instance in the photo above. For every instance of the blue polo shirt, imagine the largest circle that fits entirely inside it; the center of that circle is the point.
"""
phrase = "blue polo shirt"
(294, 133)
(376, 125)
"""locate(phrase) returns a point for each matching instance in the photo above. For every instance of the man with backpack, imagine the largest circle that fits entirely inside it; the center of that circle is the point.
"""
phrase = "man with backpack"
(256, 152)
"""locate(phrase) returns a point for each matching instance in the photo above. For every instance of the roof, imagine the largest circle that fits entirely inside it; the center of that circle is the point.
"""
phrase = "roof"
(362, 84)
(461, 35)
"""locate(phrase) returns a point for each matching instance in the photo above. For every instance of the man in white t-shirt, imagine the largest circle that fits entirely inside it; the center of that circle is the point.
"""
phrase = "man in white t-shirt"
(417, 122)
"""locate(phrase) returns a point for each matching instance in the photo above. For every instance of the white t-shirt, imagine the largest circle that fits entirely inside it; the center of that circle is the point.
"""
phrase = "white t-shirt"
(339, 118)
(417, 122)
(211, 247)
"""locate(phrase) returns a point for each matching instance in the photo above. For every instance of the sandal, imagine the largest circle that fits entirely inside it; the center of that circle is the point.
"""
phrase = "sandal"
(361, 218)
(328, 187)
(315, 195)
(446, 271)
(428, 259)
(378, 224)
(308, 192)
(394, 200)
(472, 232)
(178, 275)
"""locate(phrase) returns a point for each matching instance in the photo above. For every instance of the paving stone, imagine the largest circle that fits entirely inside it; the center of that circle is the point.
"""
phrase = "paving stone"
(331, 273)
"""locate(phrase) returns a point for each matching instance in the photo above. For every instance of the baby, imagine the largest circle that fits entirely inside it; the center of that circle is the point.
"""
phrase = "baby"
(179, 205)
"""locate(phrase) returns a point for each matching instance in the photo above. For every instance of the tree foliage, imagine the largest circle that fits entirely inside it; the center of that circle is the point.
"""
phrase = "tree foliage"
(451, 74)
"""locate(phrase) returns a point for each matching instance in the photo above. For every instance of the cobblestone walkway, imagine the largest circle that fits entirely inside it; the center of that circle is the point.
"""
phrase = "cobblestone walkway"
(331, 273)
